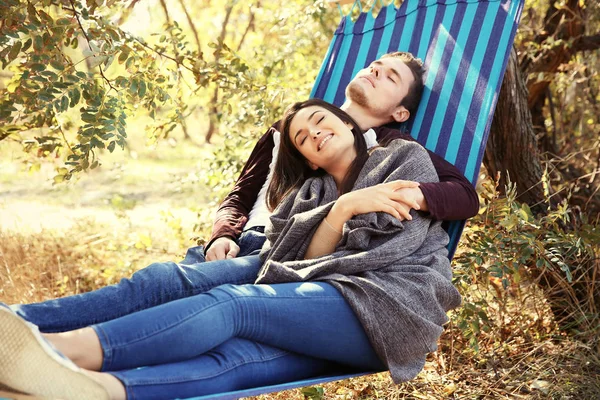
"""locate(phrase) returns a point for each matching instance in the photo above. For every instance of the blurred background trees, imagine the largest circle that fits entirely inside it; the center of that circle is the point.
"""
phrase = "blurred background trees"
(74, 72)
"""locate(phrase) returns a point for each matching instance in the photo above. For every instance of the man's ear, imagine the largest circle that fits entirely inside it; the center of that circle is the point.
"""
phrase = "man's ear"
(400, 114)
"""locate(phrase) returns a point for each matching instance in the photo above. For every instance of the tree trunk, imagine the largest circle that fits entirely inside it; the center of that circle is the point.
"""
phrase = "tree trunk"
(212, 127)
(512, 148)
(184, 128)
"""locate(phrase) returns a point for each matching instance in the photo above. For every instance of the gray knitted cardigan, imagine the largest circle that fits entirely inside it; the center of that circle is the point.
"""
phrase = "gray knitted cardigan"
(395, 275)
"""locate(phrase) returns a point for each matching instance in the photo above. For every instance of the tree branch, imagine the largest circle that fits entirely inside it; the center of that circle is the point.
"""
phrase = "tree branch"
(249, 27)
(213, 107)
(192, 27)
(584, 43)
(87, 38)
(176, 53)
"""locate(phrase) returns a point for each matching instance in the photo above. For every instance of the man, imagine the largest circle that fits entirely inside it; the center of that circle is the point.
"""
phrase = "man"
(389, 90)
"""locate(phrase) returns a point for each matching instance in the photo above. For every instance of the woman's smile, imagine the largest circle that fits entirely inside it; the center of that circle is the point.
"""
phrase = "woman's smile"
(324, 140)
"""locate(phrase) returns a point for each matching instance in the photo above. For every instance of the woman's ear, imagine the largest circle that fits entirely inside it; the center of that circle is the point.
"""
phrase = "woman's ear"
(312, 166)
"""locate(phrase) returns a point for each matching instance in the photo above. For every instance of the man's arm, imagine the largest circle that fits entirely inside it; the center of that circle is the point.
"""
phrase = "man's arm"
(232, 215)
(453, 198)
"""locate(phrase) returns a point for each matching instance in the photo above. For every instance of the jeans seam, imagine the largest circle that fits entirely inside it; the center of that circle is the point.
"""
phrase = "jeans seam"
(208, 308)
(283, 353)
(107, 351)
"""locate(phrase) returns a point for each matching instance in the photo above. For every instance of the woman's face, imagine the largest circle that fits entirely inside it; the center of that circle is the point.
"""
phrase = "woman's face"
(321, 137)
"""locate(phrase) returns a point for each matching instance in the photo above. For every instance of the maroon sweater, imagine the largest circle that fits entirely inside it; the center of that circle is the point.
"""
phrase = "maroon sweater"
(453, 198)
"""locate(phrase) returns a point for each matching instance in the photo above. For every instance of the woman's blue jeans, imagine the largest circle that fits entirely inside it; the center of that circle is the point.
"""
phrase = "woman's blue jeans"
(311, 321)
(222, 365)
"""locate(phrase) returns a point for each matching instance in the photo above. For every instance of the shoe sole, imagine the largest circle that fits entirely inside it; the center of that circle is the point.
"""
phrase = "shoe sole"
(26, 367)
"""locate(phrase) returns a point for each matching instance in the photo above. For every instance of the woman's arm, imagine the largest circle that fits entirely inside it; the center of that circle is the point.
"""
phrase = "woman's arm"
(382, 197)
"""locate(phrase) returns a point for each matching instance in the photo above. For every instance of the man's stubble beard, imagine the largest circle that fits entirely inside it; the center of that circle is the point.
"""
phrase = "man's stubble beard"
(357, 94)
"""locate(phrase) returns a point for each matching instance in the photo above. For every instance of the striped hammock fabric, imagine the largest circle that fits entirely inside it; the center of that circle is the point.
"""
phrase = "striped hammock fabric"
(465, 45)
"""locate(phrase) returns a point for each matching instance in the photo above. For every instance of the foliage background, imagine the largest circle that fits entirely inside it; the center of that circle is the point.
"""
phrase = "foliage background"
(123, 124)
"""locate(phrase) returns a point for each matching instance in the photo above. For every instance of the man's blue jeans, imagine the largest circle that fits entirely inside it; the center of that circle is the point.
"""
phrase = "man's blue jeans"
(156, 284)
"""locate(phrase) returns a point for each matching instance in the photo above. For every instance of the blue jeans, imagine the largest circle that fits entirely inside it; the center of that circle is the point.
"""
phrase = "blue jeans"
(156, 284)
(232, 365)
(309, 320)
(236, 364)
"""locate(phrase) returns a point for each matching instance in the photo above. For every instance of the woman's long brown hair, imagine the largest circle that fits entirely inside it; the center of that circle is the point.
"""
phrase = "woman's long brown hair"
(291, 168)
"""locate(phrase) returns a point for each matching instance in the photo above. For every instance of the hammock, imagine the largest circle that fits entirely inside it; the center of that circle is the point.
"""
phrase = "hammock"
(465, 45)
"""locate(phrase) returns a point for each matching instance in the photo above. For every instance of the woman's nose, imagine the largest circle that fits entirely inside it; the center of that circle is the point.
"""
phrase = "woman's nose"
(315, 133)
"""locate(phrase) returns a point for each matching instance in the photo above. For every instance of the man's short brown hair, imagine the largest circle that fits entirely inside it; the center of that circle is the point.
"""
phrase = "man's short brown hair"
(413, 98)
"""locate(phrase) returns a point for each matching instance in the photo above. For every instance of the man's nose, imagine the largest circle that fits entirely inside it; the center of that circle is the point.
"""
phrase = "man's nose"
(375, 71)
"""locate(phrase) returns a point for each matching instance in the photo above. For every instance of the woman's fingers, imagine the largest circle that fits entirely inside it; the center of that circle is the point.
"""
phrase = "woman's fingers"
(402, 212)
(408, 197)
(401, 184)
(392, 211)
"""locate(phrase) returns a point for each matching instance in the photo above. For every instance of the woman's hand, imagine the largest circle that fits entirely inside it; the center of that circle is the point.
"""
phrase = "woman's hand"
(385, 197)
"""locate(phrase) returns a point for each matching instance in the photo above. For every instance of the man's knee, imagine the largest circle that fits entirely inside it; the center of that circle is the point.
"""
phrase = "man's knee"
(156, 272)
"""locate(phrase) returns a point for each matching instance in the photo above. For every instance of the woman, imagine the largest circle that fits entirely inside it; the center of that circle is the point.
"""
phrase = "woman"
(341, 280)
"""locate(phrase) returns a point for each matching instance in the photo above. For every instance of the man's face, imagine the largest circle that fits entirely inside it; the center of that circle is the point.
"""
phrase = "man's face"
(381, 86)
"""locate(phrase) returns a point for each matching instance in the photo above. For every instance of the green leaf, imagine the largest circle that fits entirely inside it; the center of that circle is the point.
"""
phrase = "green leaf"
(31, 13)
(313, 393)
(37, 67)
(64, 103)
(111, 146)
(75, 95)
(142, 89)
(63, 21)
(57, 65)
(50, 74)
(27, 45)
(46, 17)
(123, 56)
(14, 51)
(97, 143)
(133, 88)
(86, 117)
(58, 179)
(38, 43)
(113, 34)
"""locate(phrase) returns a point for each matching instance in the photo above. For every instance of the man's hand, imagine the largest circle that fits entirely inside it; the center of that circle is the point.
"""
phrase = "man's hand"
(221, 249)
(411, 196)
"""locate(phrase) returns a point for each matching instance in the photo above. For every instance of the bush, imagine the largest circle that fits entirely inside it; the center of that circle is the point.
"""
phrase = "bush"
(506, 249)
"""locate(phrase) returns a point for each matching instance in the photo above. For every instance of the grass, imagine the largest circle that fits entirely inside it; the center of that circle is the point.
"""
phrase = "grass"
(67, 239)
